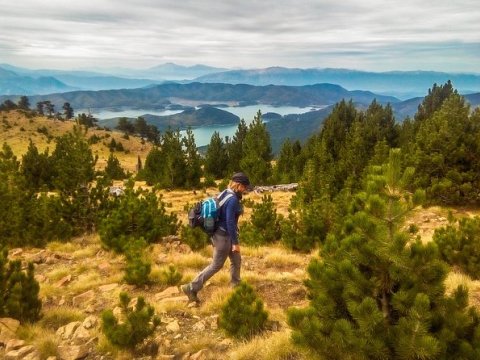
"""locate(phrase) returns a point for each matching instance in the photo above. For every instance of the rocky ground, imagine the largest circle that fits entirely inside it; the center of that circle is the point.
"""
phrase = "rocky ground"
(80, 279)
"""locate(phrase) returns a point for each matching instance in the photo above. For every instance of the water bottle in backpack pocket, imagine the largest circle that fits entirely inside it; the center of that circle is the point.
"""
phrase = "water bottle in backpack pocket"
(205, 213)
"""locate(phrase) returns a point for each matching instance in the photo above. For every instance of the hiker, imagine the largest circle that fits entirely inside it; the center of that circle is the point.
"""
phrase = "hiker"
(224, 239)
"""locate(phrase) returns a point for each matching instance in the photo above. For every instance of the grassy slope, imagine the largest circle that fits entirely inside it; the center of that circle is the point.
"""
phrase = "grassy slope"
(276, 273)
(16, 130)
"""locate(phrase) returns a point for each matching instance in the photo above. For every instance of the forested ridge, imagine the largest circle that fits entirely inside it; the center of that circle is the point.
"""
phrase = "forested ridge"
(374, 289)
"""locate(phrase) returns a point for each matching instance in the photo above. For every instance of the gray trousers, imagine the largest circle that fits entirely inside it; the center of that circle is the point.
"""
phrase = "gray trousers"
(222, 248)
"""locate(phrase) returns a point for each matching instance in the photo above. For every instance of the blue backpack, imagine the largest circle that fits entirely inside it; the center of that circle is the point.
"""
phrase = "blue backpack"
(205, 213)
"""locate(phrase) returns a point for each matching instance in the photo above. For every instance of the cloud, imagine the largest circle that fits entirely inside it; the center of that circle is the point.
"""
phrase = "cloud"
(144, 33)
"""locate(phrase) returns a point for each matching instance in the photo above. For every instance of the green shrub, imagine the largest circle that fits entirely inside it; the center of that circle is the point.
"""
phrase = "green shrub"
(18, 291)
(307, 227)
(137, 213)
(138, 266)
(195, 238)
(459, 245)
(243, 316)
(138, 324)
(264, 225)
(170, 276)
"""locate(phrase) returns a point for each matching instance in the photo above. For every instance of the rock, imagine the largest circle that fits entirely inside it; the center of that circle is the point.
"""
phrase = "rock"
(38, 258)
(14, 344)
(199, 326)
(82, 299)
(214, 322)
(19, 354)
(104, 266)
(108, 287)
(173, 327)
(165, 357)
(62, 301)
(72, 352)
(90, 322)
(64, 281)
(40, 278)
(81, 336)
(15, 252)
(168, 292)
(66, 332)
(8, 328)
(199, 355)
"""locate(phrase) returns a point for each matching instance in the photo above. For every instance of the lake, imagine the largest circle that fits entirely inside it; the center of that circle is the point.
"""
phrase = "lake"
(203, 134)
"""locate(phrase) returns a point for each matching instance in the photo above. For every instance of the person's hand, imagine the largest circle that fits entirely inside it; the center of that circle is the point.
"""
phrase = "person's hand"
(236, 248)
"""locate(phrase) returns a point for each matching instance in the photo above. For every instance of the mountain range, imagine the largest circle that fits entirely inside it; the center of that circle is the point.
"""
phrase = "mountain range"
(401, 84)
(160, 96)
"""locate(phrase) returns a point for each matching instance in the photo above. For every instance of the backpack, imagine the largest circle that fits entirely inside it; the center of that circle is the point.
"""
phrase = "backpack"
(205, 213)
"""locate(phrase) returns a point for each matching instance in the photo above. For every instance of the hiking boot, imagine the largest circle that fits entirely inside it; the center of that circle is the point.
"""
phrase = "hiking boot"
(192, 295)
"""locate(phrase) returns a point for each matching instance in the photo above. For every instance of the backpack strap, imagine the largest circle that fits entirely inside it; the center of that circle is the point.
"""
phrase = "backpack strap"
(229, 194)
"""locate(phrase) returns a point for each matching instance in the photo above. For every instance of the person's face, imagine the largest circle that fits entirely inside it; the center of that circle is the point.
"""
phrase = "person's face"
(242, 188)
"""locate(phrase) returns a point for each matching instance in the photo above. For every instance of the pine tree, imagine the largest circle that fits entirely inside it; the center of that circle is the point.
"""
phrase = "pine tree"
(378, 294)
(138, 214)
(193, 161)
(24, 103)
(243, 315)
(36, 168)
(287, 168)
(216, 158)
(67, 111)
(235, 147)
(447, 153)
(139, 323)
(113, 169)
(434, 100)
(257, 152)
(18, 290)
(73, 162)
(264, 225)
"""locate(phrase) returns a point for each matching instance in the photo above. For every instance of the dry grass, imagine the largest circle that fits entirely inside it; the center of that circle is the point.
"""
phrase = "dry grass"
(23, 129)
(189, 261)
(59, 316)
(276, 346)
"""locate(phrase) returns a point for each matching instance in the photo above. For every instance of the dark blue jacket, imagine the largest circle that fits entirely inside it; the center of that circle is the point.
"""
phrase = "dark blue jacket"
(228, 217)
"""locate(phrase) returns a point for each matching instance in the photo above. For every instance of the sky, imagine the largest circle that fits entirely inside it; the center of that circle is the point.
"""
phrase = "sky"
(374, 35)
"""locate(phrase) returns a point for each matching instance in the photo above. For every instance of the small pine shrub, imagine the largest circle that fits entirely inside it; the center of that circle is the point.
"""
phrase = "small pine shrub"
(138, 267)
(293, 236)
(170, 276)
(222, 185)
(137, 213)
(264, 226)
(209, 181)
(195, 238)
(138, 324)
(243, 316)
(94, 139)
(307, 227)
(459, 245)
(19, 291)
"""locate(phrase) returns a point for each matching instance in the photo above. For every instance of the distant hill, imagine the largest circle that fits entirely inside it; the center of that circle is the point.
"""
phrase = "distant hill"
(161, 95)
(402, 84)
(206, 115)
(170, 71)
(409, 107)
(81, 80)
(13, 84)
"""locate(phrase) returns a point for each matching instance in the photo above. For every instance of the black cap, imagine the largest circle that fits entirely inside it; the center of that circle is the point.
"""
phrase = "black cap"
(241, 178)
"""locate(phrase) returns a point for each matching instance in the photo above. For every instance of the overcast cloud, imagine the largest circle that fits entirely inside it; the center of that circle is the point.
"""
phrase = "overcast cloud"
(370, 34)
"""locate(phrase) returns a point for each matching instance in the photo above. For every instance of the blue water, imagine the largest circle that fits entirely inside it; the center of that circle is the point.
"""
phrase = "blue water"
(203, 134)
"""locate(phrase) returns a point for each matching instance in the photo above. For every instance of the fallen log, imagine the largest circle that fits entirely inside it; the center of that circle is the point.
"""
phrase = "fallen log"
(280, 187)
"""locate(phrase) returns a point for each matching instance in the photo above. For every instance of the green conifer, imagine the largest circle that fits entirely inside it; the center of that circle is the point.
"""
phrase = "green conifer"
(376, 293)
